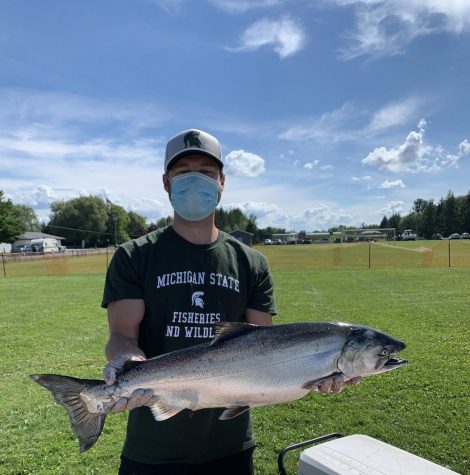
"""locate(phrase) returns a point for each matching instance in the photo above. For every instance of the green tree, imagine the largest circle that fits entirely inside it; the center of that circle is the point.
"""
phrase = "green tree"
(466, 218)
(161, 223)
(230, 220)
(408, 221)
(450, 214)
(137, 225)
(11, 225)
(384, 223)
(252, 228)
(394, 222)
(80, 219)
(428, 220)
(28, 217)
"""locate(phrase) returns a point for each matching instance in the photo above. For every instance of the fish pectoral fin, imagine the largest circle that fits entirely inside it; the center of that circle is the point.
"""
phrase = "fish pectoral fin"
(162, 413)
(232, 412)
(312, 384)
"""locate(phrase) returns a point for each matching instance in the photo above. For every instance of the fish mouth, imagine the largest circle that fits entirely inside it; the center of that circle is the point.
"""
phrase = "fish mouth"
(393, 363)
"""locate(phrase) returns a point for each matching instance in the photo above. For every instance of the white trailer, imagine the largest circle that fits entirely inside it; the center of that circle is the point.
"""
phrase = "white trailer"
(45, 245)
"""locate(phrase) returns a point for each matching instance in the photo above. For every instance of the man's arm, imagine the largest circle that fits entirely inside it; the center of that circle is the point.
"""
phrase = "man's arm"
(124, 317)
(256, 317)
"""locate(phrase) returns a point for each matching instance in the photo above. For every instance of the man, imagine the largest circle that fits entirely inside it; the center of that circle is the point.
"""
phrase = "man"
(165, 291)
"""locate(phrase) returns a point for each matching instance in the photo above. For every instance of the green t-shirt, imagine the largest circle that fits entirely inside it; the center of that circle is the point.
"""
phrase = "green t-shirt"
(187, 288)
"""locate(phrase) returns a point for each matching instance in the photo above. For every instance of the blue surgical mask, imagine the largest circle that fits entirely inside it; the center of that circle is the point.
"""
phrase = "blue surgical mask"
(194, 196)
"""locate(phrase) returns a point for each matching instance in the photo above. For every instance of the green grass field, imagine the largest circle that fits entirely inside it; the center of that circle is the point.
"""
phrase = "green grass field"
(55, 324)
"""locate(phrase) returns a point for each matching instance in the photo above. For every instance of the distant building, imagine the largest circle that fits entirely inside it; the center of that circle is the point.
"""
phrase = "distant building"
(244, 236)
(5, 247)
(27, 237)
(371, 235)
(318, 238)
(285, 238)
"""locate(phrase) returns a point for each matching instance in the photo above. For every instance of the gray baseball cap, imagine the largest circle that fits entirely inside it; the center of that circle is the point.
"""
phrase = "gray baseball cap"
(192, 141)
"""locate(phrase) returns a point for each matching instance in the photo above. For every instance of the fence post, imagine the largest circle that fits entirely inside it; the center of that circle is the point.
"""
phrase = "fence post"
(4, 269)
(369, 254)
(449, 252)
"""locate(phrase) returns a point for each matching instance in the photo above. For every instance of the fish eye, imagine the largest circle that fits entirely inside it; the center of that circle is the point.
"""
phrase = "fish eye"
(384, 353)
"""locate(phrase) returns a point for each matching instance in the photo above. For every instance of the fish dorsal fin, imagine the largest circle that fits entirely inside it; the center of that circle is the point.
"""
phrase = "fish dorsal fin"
(162, 413)
(227, 330)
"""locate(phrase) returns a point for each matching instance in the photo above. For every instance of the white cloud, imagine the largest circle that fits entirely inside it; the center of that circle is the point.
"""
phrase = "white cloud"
(393, 207)
(464, 148)
(311, 165)
(54, 110)
(285, 36)
(320, 217)
(327, 168)
(413, 155)
(260, 209)
(27, 143)
(361, 178)
(397, 113)
(392, 184)
(353, 123)
(330, 127)
(387, 27)
(243, 163)
(40, 196)
(242, 6)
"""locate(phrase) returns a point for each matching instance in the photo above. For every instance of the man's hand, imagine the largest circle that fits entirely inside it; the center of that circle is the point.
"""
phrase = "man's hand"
(115, 365)
(140, 397)
(335, 384)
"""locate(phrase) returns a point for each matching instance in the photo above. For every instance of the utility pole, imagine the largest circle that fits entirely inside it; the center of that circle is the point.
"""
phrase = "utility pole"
(114, 217)
(115, 229)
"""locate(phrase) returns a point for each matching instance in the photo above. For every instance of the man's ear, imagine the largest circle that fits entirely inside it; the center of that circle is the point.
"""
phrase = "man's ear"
(222, 181)
(166, 182)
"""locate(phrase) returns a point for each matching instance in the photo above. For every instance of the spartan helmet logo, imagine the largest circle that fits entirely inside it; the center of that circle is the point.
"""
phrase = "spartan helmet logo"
(196, 299)
(191, 139)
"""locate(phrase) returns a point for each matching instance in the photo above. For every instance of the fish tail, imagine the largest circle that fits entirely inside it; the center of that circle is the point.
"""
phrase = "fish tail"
(66, 391)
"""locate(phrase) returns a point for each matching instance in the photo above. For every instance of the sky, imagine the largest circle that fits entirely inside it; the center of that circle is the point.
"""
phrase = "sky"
(329, 112)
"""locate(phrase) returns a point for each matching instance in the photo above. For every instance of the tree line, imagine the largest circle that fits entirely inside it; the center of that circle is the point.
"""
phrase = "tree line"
(99, 222)
(451, 214)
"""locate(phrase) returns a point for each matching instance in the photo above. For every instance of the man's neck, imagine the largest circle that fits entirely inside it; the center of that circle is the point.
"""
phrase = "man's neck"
(196, 232)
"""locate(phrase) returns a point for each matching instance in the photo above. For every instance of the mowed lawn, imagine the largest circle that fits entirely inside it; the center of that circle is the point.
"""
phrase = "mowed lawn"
(55, 324)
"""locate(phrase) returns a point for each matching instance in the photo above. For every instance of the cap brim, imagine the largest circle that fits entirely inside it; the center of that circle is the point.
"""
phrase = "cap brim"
(193, 151)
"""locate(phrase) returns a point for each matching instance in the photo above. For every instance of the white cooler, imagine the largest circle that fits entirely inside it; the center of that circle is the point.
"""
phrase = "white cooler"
(363, 455)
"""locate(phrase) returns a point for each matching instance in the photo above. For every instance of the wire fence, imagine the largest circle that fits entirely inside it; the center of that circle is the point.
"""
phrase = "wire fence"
(415, 254)
(72, 261)
(418, 254)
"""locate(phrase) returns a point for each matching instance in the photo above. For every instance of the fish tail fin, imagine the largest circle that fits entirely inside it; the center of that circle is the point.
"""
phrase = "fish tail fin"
(66, 391)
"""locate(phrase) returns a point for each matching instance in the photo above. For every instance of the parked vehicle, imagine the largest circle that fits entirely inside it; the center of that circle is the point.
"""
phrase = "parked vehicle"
(408, 235)
(454, 236)
(46, 245)
(268, 242)
(436, 236)
(465, 236)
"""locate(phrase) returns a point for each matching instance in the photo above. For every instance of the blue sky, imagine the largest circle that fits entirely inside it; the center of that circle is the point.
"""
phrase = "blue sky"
(329, 112)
